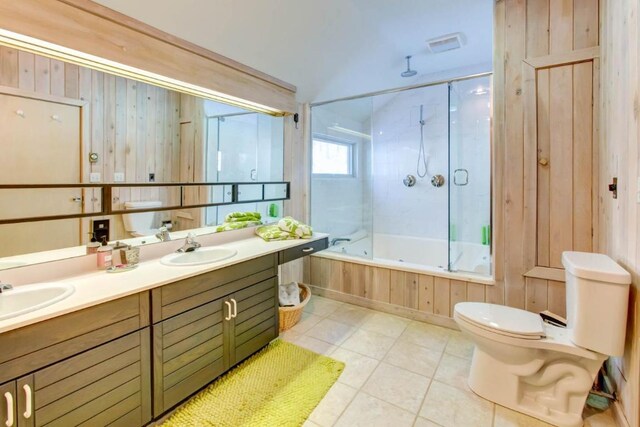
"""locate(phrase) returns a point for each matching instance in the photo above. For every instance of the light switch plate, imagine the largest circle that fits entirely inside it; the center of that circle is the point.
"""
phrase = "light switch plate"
(118, 177)
(94, 177)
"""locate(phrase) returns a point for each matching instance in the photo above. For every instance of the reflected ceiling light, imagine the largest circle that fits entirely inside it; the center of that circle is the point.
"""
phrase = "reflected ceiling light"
(481, 90)
(349, 131)
(51, 50)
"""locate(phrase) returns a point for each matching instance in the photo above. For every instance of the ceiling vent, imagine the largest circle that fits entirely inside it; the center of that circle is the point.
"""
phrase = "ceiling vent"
(445, 43)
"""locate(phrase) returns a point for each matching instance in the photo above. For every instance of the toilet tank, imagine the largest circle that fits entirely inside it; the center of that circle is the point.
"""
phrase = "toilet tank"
(139, 221)
(597, 293)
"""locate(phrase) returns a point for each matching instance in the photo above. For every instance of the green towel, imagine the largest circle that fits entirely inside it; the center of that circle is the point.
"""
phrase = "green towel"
(273, 232)
(243, 216)
(290, 225)
(226, 226)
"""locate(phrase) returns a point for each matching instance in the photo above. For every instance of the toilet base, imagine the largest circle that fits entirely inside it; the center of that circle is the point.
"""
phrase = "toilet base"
(547, 385)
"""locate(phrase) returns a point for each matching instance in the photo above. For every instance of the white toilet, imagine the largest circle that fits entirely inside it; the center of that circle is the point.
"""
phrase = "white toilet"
(543, 370)
(140, 224)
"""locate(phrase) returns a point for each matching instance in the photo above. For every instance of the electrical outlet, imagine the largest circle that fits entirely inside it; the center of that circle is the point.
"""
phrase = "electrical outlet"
(118, 177)
(152, 177)
(94, 177)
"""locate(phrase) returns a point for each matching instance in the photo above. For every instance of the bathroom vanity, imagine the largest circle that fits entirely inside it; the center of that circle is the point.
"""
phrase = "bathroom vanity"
(124, 360)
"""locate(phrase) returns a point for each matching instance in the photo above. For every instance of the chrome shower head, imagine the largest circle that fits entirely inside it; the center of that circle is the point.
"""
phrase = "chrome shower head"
(409, 72)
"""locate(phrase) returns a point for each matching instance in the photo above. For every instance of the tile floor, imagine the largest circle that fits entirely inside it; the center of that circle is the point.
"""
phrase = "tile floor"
(398, 372)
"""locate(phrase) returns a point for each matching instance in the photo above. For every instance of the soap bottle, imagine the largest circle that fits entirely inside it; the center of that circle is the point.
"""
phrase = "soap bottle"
(105, 255)
(93, 245)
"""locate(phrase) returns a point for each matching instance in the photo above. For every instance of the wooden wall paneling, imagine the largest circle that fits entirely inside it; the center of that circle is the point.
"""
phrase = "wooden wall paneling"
(316, 273)
(357, 274)
(26, 66)
(496, 294)
(514, 246)
(476, 292)
(9, 63)
(543, 189)
(561, 142)
(120, 135)
(131, 143)
(84, 84)
(560, 25)
(57, 77)
(530, 164)
(556, 298)
(582, 156)
(43, 75)
(585, 23)
(441, 296)
(396, 287)
(109, 126)
(71, 81)
(335, 276)
(537, 294)
(595, 161)
(458, 294)
(411, 291)
(538, 27)
(425, 293)
(378, 284)
(97, 127)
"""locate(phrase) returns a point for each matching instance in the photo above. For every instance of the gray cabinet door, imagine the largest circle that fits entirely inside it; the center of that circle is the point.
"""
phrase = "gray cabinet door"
(8, 404)
(188, 353)
(109, 385)
(255, 321)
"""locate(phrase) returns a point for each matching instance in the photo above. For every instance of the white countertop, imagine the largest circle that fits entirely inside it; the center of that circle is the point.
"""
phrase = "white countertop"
(96, 287)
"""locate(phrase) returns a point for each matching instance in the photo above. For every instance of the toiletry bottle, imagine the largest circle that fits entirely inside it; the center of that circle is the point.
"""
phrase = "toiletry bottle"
(105, 256)
(93, 245)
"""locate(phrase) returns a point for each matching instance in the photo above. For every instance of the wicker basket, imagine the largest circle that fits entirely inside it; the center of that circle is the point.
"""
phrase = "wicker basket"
(289, 316)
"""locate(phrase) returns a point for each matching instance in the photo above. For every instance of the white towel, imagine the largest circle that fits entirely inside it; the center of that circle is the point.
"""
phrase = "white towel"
(289, 294)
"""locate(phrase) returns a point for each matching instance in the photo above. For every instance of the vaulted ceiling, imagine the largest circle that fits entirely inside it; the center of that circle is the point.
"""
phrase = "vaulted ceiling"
(330, 48)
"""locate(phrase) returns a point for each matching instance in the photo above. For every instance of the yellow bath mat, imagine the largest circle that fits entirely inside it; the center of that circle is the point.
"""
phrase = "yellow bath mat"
(278, 386)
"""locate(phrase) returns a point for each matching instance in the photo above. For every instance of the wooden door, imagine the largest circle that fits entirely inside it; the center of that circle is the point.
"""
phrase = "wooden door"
(41, 144)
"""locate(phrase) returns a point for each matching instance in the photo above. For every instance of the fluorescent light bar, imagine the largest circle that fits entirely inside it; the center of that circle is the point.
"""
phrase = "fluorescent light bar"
(349, 132)
(51, 50)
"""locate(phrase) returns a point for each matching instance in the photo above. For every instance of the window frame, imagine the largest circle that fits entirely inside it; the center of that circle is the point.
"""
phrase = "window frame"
(353, 156)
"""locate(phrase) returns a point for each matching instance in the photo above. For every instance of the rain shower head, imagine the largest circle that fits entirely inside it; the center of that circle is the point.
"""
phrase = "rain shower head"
(409, 72)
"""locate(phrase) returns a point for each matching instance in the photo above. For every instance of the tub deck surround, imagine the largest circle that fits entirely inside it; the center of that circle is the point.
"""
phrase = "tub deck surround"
(93, 287)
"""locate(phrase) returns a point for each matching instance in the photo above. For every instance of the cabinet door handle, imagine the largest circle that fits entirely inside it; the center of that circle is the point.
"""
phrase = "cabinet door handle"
(229, 316)
(28, 400)
(235, 308)
(9, 398)
(307, 249)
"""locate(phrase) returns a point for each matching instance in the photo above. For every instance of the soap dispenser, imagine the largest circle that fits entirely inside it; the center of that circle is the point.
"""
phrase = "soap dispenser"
(105, 255)
(93, 245)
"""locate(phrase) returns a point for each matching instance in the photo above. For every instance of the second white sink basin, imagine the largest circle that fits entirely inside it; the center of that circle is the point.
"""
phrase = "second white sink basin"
(199, 256)
(27, 298)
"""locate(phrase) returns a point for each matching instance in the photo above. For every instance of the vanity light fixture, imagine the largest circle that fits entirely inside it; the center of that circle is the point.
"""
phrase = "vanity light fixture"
(51, 50)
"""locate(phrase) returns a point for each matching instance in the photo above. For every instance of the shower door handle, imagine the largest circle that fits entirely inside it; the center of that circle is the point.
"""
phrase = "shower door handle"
(460, 177)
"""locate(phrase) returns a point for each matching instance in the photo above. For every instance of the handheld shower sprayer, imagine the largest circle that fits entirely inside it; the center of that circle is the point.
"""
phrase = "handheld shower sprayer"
(422, 166)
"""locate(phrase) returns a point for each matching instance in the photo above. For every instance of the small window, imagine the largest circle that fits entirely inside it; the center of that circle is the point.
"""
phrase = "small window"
(332, 158)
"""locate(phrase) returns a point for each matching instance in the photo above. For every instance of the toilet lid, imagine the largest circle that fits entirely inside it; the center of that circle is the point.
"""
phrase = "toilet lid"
(502, 319)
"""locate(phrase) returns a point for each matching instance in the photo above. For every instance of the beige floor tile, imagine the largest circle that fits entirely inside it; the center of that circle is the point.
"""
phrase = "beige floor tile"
(357, 368)
(316, 345)
(453, 371)
(289, 335)
(423, 422)
(310, 423)
(332, 405)
(367, 411)
(331, 331)
(506, 417)
(452, 407)
(594, 418)
(425, 335)
(397, 386)
(307, 321)
(386, 324)
(351, 314)
(459, 345)
(370, 344)
(321, 306)
(414, 358)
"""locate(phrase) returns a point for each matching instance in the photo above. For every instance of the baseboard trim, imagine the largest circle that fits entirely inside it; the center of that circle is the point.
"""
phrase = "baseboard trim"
(409, 313)
(618, 415)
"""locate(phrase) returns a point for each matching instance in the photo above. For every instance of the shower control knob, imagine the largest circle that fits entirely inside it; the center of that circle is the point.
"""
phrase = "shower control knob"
(409, 181)
(437, 181)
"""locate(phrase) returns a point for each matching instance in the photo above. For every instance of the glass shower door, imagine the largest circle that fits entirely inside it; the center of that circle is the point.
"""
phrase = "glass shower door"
(470, 176)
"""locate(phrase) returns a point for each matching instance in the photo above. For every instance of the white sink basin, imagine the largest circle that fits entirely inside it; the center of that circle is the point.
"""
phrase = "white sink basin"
(24, 299)
(198, 257)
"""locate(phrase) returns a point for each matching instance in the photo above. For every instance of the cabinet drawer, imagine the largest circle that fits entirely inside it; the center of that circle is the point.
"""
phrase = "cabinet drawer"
(179, 297)
(30, 348)
(109, 385)
(303, 250)
(188, 354)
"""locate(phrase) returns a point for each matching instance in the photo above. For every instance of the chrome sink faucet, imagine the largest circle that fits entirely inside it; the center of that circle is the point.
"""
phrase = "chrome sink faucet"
(190, 244)
(163, 234)
(5, 287)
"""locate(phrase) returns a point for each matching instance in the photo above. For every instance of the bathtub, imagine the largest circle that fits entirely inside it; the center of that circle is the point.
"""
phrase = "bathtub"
(471, 261)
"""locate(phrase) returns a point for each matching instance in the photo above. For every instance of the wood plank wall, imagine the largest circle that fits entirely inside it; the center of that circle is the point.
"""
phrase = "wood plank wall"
(620, 139)
(134, 127)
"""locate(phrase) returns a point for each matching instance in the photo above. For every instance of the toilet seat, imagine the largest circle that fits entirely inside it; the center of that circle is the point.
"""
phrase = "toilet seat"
(503, 320)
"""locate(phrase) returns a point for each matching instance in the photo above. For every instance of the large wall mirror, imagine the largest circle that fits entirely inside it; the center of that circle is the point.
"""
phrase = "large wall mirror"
(65, 124)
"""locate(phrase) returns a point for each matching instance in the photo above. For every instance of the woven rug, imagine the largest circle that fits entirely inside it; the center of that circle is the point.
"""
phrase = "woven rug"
(278, 386)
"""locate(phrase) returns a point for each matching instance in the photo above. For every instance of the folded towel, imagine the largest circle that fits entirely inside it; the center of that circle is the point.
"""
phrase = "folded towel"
(289, 294)
(243, 216)
(297, 228)
(237, 225)
(273, 232)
